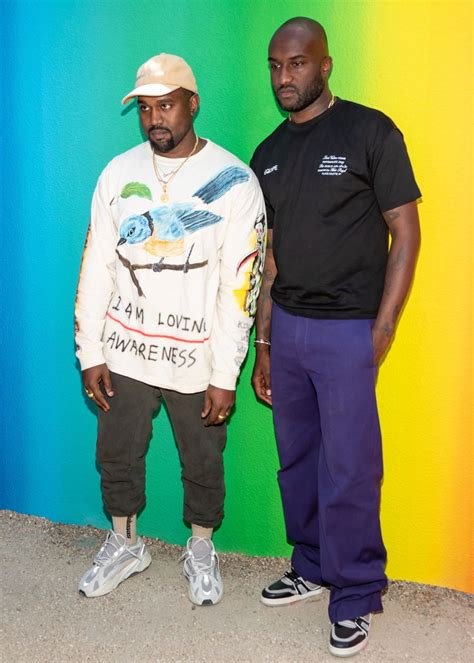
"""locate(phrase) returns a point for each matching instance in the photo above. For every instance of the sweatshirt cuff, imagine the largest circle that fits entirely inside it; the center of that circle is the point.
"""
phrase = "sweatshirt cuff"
(90, 359)
(223, 380)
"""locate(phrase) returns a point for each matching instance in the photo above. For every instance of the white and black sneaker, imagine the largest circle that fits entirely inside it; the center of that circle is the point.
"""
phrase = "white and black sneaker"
(288, 589)
(349, 636)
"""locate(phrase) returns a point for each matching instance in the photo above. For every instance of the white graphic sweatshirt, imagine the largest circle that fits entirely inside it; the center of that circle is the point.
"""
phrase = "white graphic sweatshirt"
(167, 290)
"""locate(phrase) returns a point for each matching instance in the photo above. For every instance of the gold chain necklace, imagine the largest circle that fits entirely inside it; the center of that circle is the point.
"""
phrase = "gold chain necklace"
(330, 105)
(165, 183)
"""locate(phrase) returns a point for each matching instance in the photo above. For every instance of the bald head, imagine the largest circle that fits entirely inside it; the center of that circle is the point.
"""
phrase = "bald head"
(305, 28)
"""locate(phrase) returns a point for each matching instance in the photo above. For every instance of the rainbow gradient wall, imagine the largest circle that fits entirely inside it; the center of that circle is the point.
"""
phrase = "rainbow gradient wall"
(66, 65)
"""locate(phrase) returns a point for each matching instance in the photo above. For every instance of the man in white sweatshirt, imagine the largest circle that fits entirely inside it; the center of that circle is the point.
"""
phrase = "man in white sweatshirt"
(165, 303)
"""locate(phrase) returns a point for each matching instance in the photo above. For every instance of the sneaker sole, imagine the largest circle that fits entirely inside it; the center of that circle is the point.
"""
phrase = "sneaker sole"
(346, 653)
(206, 603)
(291, 599)
(115, 581)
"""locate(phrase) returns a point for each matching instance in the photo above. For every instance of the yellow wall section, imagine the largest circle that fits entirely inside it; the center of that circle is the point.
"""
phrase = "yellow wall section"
(419, 72)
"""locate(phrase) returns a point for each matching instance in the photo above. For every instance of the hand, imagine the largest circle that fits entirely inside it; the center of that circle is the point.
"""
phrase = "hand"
(217, 405)
(261, 376)
(91, 379)
(381, 337)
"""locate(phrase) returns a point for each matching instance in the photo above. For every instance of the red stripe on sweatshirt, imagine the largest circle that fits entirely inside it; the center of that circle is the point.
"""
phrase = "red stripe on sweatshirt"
(142, 333)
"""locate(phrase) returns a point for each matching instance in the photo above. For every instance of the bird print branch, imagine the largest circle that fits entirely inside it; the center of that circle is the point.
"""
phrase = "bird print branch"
(158, 267)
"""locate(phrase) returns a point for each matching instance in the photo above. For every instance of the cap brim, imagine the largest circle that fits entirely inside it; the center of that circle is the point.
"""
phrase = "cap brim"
(150, 90)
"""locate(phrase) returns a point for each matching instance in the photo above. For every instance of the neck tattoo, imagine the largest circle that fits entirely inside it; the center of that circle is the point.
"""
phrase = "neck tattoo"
(164, 182)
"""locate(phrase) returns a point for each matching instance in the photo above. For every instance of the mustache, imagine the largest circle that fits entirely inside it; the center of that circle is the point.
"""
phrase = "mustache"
(155, 127)
(286, 87)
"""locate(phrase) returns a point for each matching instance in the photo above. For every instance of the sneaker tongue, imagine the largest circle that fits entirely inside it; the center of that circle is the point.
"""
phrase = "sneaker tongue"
(113, 542)
(348, 623)
(202, 549)
(116, 538)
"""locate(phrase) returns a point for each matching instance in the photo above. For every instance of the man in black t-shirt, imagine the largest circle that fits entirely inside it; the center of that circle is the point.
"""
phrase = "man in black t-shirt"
(337, 181)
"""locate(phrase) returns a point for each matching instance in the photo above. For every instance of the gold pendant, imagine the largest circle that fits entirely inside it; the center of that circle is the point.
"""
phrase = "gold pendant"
(164, 197)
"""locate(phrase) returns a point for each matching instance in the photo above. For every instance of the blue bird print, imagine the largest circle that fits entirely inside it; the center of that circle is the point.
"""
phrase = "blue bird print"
(162, 230)
(217, 186)
(135, 229)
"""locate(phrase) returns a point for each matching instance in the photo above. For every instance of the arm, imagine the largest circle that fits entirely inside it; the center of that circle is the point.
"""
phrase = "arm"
(241, 262)
(405, 231)
(94, 290)
(261, 371)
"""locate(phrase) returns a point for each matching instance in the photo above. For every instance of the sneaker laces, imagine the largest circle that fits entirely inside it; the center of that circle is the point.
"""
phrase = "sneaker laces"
(348, 623)
(199, 565)
(111, 546)
(291, 575)
(360, 623)
(292, 578)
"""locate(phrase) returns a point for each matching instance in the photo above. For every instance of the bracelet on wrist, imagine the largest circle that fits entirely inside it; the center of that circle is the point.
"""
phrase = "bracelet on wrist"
(261, 341)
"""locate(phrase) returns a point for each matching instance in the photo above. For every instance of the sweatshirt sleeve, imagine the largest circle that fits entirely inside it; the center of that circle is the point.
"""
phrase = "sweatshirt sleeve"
(240, 270)
(96, 278)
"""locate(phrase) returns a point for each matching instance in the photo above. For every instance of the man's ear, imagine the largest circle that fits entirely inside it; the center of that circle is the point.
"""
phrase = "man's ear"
(326, 66)
(194, 103)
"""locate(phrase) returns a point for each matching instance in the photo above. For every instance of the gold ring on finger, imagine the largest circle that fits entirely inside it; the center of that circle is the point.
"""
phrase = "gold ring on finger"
(90, 394)
(220, 416)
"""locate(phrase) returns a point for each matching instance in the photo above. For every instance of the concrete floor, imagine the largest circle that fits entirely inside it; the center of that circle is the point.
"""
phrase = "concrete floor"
(149, 618)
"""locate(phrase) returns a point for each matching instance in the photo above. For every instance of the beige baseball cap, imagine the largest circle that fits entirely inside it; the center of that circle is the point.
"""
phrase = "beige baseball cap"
(160, 75)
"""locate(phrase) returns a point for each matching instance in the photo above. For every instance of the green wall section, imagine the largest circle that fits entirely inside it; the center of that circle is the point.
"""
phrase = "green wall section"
(68, 64)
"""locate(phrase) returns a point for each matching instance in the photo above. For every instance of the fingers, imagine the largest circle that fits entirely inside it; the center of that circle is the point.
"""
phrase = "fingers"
(107, 382)
(261, 381)
(218, 420)
(380, 344)
(217, 405)
(265, 392)
(262, 386)
(91, 378)
(217, 414)
(266, 386)
(207, 406)
(213, 417)
(94, 392)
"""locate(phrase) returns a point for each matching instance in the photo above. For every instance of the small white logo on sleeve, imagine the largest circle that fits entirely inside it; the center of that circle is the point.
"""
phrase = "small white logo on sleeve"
(332, 165)
(267, 171)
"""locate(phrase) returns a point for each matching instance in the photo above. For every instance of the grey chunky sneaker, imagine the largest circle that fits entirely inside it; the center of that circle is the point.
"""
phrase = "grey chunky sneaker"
(114, 563)
(201, 569)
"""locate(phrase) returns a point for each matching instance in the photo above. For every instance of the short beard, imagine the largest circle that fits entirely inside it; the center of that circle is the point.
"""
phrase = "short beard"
(304, 99)
(162, 148)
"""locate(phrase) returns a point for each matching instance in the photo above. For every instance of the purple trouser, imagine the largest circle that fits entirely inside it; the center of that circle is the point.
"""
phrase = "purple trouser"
(329, 444)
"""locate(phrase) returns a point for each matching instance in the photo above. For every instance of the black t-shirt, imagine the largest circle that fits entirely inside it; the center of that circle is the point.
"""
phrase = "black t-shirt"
(326, 183)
